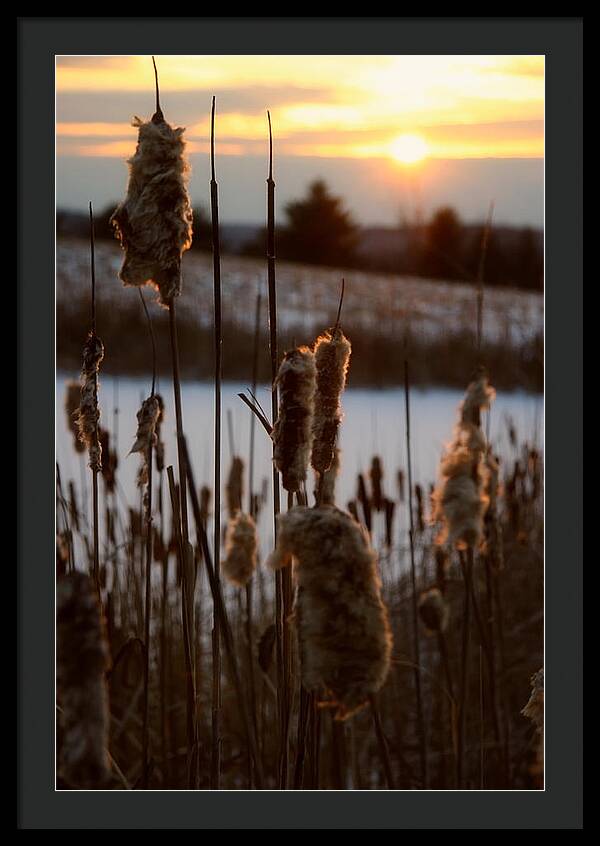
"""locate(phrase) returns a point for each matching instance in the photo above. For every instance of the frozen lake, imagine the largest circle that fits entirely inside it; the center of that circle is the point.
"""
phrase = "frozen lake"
(373, 425)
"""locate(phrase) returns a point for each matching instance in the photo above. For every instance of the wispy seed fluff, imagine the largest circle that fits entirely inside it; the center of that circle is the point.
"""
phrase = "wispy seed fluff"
(88, 413)
(240, 548)
(344, 635)
(72, 399)
(154, 222)
(433, 610)
(459, 500)
(146, 435)
(332, 356)
(292, 431)
(235, 486)
(82, 659)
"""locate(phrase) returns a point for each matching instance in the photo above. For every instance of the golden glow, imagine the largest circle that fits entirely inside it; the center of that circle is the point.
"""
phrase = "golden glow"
(409, 149)
(333, 106)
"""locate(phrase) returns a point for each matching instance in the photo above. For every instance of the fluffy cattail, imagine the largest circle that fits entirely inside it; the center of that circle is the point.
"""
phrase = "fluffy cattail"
(72, 399)
(376, 477)
(292, 431)
(332, 356)
(159, 451)
(329, 480)
(145, 436)
(235, 486)
(343, 630)
(82, 659)
(433, 610)
(460, 500)
(88, 413)
(154, 222)
(240, 549)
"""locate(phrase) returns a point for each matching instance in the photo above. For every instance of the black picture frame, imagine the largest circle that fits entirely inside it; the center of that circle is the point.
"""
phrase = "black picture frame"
(559, 805)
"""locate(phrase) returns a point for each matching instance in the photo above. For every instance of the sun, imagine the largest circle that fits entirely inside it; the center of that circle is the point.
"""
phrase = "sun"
(409, 149)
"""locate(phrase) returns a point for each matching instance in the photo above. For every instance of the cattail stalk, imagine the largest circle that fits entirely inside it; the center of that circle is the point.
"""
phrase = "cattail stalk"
(413, 576)
(215, 779)
(150, 438)
(224, 628)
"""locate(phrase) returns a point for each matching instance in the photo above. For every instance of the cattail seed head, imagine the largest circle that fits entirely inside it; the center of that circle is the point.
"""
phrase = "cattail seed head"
(154, 222)
(460, 500)
(72, 399)
(110, 460)
(292, 431)
(82, 659)
(400, 480)
(240, 549)
(88, 413)
(344, 635)
(332, 356)
(376, 477)
(146, 436)
(235, 486)
(433, 610)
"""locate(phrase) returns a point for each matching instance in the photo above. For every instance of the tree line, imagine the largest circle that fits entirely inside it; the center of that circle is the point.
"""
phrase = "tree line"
(318, 230)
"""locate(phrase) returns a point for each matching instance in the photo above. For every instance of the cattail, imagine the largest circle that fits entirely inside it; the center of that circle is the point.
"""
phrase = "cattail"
(433, 610)
(110, 460)
(353, 510)
(72, 399)
(460, 500)
(145, 436)
(343, 630)
(88, 413)
(235, 486)
(240, 549)
(204, 503)
(266, 647)
(82, 659)
(493, 546)
(63, 546)
(363, 498)
(154, 222)
(292, 431)
(389, 507)
(329, 480)
(400, 480)
(159, 450)
(420, 508)
(376, 477)
(332, 355)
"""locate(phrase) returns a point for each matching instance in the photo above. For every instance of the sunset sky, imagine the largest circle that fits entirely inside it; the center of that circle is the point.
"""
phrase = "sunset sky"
(392, 134)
